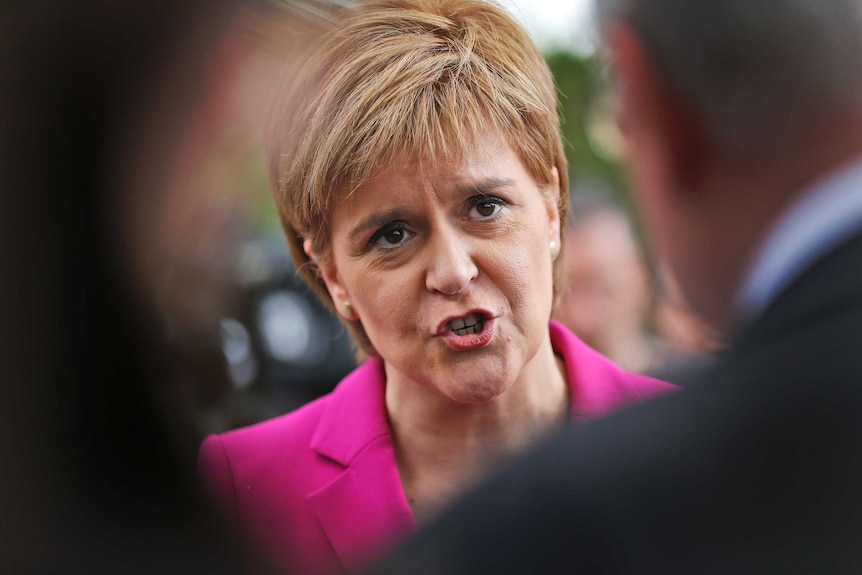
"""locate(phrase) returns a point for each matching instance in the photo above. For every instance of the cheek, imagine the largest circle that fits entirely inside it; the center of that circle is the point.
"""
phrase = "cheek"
(386, 303)
(524, 271)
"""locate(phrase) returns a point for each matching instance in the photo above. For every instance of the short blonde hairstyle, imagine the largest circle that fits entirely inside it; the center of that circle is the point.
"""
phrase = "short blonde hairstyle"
(414, 78)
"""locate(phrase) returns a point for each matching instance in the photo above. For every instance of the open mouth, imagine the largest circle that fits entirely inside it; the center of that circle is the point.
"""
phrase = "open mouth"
(469, 324)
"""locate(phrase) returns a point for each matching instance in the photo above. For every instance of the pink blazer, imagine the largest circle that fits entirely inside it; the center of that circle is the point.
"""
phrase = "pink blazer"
(318, 489)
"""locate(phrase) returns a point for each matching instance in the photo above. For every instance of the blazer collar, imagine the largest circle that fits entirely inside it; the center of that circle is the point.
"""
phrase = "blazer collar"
(831, 285)
(363, 510)
(355, 414)
(585, 367)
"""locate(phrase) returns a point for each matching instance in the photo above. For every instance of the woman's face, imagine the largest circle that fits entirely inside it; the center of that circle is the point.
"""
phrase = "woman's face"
(449, 268)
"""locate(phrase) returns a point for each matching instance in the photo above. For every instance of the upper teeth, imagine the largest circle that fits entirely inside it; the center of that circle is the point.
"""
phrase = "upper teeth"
(467, 321)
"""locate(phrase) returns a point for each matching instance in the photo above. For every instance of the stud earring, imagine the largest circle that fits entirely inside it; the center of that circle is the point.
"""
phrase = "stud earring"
(555, 249)
(348, 308)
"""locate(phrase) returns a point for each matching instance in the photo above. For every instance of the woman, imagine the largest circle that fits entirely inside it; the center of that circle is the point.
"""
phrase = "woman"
(421, 180)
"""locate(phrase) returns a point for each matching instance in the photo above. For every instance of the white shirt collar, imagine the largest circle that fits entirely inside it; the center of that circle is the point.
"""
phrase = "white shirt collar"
(820, 219)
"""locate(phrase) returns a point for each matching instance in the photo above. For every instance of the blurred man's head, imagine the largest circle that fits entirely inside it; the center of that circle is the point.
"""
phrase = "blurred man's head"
(729, 109)
(607, 288)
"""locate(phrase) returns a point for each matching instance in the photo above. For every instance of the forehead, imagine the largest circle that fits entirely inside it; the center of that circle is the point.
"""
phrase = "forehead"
(486, 160)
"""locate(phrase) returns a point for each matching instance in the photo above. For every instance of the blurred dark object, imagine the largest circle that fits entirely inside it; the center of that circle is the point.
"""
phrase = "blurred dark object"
(283, 348)
(93, 479)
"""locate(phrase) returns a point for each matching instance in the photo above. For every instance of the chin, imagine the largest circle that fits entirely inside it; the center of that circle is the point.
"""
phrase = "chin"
(480, 392)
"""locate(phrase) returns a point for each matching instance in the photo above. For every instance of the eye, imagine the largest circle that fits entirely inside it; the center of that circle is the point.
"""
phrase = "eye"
(390, 236)
(485, 207)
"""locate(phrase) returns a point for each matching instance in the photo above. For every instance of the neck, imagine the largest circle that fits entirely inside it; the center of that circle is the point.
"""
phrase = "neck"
(738, 210)
(443, 447)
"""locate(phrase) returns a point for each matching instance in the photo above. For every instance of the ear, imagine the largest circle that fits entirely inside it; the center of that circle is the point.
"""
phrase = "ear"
(662, 130)
(334, 286)
(552, 198)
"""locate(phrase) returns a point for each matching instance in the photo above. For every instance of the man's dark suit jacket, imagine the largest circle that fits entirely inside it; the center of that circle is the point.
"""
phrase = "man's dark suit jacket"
(756, 468)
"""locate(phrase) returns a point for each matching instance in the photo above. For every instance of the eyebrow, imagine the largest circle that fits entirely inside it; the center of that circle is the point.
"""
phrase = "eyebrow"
(374, 221)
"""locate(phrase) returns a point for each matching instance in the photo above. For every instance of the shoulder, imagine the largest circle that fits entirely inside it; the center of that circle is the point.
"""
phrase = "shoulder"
(257, 443)
(598, 386)
(285, 483)
(231, 465)
(287, 440)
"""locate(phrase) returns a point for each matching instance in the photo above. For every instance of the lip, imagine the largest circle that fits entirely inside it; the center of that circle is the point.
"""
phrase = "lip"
(471, 341)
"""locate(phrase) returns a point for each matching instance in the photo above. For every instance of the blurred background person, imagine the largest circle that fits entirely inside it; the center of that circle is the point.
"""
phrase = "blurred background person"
(607, 298)
(420, 176)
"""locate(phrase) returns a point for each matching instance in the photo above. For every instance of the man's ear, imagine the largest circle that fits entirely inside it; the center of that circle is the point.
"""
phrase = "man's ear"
(334, 286)
(652, 114)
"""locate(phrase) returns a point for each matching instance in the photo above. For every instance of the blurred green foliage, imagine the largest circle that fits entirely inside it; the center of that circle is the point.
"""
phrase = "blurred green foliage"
(586, 119)
(582, 91)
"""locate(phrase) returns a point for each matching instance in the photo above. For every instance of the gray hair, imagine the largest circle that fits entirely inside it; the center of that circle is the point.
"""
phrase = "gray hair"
(751, 68)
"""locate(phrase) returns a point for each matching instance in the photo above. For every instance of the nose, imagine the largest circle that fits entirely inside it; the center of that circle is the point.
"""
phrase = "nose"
(451, 267)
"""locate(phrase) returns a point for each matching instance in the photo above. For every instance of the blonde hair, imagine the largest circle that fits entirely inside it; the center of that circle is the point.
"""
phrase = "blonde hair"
(420, 78)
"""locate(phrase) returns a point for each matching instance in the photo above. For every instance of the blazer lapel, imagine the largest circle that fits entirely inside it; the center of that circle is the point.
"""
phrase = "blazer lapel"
(363, 510)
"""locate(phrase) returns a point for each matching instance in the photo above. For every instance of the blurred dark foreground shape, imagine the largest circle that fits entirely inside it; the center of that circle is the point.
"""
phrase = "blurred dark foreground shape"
(95, 474)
